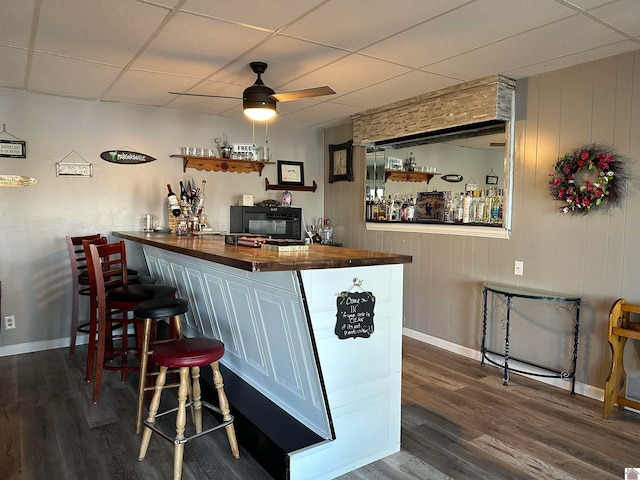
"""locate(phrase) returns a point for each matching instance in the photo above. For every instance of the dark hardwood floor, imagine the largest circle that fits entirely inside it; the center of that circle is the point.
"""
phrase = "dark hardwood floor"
(458, 422)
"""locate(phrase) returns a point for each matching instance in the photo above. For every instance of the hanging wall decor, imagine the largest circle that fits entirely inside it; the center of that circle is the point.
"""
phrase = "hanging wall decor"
(16, 181)
(15, 148)
(126, 157)
(354, 315)
(65, 168)
(588, 177)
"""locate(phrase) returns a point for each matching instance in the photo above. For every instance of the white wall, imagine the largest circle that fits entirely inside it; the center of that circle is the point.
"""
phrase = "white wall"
(34, 264)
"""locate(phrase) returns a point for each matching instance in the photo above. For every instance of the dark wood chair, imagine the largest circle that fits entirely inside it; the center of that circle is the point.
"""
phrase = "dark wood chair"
(80, 284)
(115, 298)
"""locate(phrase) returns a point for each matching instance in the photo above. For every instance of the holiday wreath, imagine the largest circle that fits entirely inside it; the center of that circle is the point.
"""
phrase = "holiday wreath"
(588, 177)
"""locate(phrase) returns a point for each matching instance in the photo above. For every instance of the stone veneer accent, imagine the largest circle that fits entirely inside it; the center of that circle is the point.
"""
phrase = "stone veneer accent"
(489, 98)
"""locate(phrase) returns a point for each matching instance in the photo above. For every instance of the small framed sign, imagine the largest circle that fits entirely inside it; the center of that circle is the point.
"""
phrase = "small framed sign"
(491, 180)
(13, 148)
(290, 173)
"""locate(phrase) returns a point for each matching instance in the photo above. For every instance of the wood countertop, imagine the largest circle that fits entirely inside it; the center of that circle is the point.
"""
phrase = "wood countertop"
(213, 249)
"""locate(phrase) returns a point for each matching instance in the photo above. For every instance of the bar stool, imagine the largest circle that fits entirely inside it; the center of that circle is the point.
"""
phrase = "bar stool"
(115, 298)
(188, 354)
(80, 283)
(150, 312)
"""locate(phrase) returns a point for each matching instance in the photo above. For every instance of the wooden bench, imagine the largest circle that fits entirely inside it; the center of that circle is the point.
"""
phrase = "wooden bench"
(620, 329)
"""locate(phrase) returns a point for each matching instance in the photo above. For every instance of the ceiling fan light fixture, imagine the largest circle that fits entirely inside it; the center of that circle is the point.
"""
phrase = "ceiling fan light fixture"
(257, 102)
(260, 113)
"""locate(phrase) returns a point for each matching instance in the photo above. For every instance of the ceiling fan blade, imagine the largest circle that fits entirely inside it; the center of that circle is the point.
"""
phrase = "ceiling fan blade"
(306, 93)
(203, 95)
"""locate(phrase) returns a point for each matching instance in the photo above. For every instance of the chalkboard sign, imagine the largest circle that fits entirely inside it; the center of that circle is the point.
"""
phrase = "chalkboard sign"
(355, 315)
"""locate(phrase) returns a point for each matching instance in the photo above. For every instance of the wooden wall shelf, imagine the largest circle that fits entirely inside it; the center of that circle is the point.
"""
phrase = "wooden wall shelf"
(402, 176)
(295, 188)
(211, 164)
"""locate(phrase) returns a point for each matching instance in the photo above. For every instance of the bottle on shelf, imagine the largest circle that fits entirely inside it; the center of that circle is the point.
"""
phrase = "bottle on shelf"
(173, 202)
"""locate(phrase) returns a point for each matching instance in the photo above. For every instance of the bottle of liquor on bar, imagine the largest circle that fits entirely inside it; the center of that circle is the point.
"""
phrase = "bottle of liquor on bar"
(183, 192)
(173, 202)
(200, 199)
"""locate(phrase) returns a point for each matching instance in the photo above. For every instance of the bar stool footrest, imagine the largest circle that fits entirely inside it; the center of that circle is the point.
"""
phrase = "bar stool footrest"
(173, 440)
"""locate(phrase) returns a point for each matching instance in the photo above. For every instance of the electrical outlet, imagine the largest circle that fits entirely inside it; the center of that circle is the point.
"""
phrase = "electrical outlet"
(518, 267)
(9, 322)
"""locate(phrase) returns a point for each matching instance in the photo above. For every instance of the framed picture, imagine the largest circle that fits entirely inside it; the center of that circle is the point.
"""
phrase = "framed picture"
(341, 162)
(491, 179)
(290, 173)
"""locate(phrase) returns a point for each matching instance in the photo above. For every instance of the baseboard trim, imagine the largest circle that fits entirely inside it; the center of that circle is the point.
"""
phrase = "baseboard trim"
(581, 388)
(31, 347)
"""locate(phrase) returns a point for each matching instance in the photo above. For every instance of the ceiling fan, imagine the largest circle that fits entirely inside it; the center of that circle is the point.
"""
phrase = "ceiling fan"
(259, 101)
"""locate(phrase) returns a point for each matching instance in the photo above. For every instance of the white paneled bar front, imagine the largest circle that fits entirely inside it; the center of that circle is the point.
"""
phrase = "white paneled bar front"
(278, 331)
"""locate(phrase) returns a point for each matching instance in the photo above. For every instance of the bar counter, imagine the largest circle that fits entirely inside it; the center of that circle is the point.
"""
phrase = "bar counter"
(213, 249)
(309, 400)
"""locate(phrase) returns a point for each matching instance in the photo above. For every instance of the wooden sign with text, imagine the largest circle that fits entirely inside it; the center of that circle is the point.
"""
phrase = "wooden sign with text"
(354, 317)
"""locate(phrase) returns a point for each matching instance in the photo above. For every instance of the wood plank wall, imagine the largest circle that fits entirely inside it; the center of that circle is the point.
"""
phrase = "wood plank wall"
(595, 256)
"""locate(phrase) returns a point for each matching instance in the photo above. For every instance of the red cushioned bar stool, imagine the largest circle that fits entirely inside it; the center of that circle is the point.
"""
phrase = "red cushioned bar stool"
(188, 354)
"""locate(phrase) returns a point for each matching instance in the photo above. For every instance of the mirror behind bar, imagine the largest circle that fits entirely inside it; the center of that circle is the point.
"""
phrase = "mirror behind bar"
(456, 176)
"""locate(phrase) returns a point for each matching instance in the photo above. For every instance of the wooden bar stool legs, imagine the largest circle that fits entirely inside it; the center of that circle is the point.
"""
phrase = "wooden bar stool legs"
(620, 329)
(188, 354)
(151, 311)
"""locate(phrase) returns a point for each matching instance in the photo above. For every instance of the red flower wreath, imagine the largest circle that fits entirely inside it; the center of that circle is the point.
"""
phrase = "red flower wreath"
(601, 176)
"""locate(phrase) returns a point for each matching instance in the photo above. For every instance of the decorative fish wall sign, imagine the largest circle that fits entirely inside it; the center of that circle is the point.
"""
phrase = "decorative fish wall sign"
(126, 157)
(452, 177)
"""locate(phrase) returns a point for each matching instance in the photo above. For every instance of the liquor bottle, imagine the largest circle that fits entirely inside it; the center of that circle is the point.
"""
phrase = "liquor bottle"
(173, 202)
(466, 207)
(480, 208)
(183, 192)
(200, 199)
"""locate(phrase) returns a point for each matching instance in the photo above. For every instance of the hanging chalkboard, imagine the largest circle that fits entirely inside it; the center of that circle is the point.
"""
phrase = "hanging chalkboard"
(354, 317)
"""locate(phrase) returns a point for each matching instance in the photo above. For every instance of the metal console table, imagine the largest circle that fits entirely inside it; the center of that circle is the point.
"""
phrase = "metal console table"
(509, 293)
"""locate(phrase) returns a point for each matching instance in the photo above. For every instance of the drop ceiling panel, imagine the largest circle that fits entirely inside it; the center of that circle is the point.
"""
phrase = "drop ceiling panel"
(272, 14)
(110, 32)
(196, 46)
(395, 89)
(12, 77)
(348, 74)
(624, 15)
(465, 29)
(287, 59)
(147, 88)
(335, 22)
(319, 114)
(15, 23)
(70, 77)
(574, 59)
(579, 34)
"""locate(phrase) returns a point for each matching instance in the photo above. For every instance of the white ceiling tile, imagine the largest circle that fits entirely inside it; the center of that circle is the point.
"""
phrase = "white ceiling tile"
(109, 32)
(624, 15)
(147, 88)
(319, 114)
(578, 33)
(272, 15)
(348, 74)
(465, 29)
(587, 4)
(70, 77)
(287, 59)
(12, 77)
(573, 59)
(196, 46)
(334, 23)
(15, 23)
(395, 89)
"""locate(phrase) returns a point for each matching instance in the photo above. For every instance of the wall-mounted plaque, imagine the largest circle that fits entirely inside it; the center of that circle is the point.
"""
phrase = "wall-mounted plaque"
(126, 157)
(74, 169)
(13, 148)
(354, 317)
